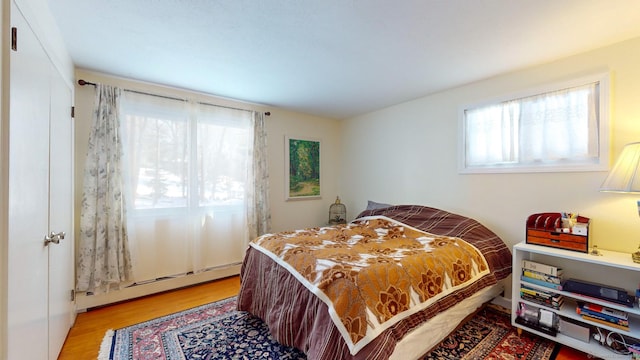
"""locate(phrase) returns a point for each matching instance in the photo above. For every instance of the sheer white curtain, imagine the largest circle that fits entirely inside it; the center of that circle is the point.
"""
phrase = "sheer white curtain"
(492, 134)
(103, 252)
(549, 127)
(559, 125)
(187, 168)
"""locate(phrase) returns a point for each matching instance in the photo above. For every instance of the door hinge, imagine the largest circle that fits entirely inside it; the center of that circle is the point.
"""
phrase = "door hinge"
(14, 38)
(73, 111)
(73, 295)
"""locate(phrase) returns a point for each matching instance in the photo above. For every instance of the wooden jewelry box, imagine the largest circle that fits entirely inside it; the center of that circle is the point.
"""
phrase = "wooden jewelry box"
(548, 229)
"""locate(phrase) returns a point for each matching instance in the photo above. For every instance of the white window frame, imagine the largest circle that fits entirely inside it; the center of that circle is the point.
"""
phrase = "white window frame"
(601, 164)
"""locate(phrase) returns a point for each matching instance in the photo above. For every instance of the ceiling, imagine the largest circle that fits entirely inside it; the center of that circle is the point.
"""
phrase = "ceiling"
(332, 58)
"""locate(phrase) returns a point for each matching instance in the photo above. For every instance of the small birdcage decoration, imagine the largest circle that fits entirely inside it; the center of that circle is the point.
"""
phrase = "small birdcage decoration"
(337, 213)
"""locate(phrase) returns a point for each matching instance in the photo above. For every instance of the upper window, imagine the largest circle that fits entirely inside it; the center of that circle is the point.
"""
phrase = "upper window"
(182, 154)
(563, 127)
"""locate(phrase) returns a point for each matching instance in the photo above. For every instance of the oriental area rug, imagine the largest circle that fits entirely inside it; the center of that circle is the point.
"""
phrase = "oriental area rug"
(489, 335)
(219, 331)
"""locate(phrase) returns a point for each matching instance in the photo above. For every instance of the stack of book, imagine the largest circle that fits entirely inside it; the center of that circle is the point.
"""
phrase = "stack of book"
(541, 274)
(541, 297)
(604, 315)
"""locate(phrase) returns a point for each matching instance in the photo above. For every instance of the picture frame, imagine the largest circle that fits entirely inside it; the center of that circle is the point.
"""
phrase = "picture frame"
(302, 168)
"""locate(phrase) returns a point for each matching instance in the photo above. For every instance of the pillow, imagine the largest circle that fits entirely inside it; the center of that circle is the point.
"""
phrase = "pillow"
(372, 205)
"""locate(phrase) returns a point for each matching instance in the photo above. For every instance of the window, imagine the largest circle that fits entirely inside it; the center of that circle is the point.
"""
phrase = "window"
(563, 127)
(183, 154)
(186, 168)
(155, 131)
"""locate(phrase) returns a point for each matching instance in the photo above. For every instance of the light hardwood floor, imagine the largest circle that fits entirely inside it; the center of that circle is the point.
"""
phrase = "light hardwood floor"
(83, 341)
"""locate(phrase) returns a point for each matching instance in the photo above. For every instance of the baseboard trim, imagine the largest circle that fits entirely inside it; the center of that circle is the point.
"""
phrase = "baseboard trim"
(84, 302)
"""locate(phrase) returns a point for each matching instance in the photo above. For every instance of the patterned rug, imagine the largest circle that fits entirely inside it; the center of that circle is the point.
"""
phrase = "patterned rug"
(217, 331)
(209, 332)
(489, 335)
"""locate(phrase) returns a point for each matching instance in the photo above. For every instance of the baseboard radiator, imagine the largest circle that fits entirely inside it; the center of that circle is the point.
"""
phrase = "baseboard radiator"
(87, 301)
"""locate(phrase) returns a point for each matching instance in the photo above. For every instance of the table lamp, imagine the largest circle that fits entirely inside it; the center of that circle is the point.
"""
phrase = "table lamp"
(624, 177)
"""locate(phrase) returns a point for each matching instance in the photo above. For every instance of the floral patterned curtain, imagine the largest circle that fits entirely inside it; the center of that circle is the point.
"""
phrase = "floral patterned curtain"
(258, 207)
(103, 261)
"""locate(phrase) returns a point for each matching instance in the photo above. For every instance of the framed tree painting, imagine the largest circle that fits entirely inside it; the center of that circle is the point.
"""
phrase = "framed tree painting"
(302, 167)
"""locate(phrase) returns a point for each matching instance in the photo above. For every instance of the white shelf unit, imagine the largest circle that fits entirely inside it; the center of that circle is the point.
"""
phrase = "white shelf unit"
(616, 267)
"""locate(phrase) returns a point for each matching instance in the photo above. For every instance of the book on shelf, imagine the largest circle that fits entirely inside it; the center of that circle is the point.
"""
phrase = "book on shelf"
(581, 310)
(542, 276)
(542, 268)
(541, 282)
(554, 304)
(541, 297)
(607, 311)
(537, 292)
(604, 322)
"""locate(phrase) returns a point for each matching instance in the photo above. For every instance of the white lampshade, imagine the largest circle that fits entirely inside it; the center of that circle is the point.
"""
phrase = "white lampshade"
(625, 174)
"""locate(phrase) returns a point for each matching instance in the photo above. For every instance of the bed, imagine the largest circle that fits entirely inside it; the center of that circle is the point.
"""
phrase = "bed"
(389, 285)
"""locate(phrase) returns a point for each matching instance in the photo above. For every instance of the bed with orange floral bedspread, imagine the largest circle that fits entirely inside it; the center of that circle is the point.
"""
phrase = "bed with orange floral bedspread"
(355, 291)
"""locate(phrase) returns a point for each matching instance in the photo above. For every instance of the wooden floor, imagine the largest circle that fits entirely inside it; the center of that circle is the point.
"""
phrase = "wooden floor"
(83, 341)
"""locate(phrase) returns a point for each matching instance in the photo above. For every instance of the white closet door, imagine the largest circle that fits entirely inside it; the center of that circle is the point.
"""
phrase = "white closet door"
(61, 307)
(27, 317)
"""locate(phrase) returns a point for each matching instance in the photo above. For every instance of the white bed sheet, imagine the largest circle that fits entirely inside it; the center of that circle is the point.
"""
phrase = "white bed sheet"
(416, 343)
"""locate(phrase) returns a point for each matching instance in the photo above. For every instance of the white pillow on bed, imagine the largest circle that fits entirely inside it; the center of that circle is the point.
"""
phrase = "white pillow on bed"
(372, 205)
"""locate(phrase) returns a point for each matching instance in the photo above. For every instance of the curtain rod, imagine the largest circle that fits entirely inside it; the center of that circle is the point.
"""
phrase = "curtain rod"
(82, 82)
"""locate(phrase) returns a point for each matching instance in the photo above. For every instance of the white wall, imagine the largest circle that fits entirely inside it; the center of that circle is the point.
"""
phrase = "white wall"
(297, 214)
(406, 154)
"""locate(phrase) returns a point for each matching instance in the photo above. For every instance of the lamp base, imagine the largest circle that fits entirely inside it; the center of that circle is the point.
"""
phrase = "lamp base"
(636, 257)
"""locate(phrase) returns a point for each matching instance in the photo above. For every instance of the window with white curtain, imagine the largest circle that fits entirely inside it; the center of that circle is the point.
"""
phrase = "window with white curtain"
(186, 168)
(562, 127)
